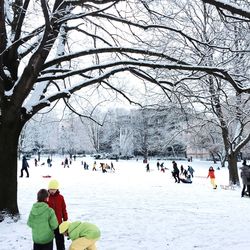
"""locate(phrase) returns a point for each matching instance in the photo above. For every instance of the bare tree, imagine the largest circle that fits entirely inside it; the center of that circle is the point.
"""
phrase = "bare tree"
(75, 45)
(220, 43)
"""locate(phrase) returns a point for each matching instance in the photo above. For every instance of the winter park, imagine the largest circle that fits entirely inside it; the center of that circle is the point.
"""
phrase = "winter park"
(138, 209)
(124, 124)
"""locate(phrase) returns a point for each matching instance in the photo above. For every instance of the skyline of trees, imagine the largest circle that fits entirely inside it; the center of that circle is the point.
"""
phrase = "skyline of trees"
(124, 130)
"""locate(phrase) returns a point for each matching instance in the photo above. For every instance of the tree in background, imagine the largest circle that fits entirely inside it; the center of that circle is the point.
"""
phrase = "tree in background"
(42, 62)
(212, 43)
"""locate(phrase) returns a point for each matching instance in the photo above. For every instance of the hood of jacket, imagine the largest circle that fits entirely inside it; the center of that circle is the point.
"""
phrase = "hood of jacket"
(39, 208)
(79, 229)
(74, 230)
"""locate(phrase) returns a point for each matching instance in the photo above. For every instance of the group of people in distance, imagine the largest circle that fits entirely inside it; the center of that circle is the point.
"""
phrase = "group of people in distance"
(48, 219)
(104, 167)
(245, 175)
(190, 173)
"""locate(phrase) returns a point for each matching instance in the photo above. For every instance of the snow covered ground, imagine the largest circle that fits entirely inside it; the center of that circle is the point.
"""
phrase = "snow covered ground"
(139, 210)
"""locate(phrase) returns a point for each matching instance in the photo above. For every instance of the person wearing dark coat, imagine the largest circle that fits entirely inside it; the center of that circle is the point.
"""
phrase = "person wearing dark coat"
(182, 169)
(25, 167)
(112, 166)
(185, 173)
(49, 162)
(245, 176)
(66, 162)
(176, 172)
(158, 165)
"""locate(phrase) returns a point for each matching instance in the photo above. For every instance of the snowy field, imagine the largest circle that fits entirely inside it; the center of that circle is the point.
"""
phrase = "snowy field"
(139, 210)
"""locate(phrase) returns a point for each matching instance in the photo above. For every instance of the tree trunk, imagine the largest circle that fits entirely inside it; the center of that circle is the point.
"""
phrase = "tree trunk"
(214, 158)
(9, 134)
(233, 170)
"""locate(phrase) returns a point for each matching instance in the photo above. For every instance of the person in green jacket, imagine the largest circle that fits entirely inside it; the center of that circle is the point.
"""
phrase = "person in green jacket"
(83, 234)
(43, 222)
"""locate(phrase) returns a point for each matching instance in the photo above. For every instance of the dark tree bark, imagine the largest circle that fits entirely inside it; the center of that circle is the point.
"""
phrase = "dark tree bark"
(10, 128)
(233, 170)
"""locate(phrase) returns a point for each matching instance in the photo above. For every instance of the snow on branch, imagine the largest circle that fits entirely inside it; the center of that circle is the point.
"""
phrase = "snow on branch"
(108, 50)
(233, 8)
(46, 101)
(215, 71)
(194, 41)
(139, 63)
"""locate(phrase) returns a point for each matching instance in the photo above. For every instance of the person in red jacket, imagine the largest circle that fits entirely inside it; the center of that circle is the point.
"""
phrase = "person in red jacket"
(212, 177)
(56, 201)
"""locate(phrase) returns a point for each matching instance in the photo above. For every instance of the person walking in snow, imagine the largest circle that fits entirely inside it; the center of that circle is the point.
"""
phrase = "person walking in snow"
(176, 172)
(212, 177)
(83, 234)
(147, 168)
(94, 166)
(112, 167)
(49, 162)
(158, 165)
(245, 176)
(43, 222)
(57, 203)
(66, 163)
(25, 167)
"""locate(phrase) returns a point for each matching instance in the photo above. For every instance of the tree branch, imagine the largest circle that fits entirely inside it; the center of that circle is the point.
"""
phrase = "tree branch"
(233, 8)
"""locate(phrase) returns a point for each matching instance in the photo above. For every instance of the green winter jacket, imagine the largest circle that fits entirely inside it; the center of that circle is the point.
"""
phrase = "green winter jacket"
(79, 229)
(43, 221)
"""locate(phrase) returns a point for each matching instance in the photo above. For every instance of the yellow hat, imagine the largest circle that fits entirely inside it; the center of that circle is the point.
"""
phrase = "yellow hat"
(64, 226)
(53, 184)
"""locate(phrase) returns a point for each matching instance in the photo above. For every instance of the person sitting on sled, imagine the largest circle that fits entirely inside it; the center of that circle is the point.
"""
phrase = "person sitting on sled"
(186, 180)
